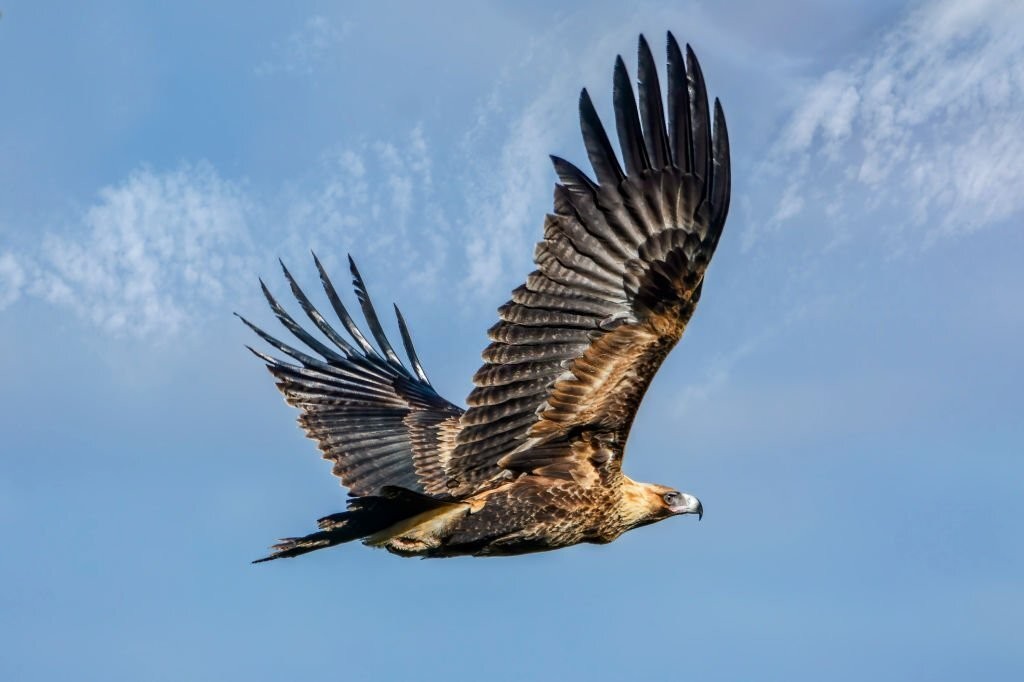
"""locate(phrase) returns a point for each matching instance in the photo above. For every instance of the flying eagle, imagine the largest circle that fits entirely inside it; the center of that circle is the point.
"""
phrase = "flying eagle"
(535, 461)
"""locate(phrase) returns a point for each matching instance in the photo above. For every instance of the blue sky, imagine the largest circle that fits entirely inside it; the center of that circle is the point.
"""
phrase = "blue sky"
(846, 403)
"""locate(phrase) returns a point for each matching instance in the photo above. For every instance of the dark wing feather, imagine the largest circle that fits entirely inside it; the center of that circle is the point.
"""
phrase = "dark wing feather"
(627, 123)
(619, 273)
(651, 111)
(380, 424)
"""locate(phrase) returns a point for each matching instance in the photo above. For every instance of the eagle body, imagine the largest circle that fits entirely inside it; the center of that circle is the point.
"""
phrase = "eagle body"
(530, 514)
(534, 460)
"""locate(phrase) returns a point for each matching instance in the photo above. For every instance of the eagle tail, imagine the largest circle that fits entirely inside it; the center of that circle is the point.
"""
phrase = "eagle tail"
(366, 516)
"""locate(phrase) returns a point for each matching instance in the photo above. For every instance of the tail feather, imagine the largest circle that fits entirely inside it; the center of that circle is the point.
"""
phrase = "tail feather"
(365, 516)
(289, 547)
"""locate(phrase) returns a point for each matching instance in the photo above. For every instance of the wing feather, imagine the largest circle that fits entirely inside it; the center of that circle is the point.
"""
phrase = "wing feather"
(679, 125)
(627, 122)
(378, 422)
(700, 121)
(568, 300)
(599, 148)
(721, 178)
(619, 273)
(372, 321)
(410, 349)
(651, 111)
(499, 393)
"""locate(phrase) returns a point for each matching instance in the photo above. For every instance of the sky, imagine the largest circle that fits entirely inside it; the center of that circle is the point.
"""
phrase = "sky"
(846, 402)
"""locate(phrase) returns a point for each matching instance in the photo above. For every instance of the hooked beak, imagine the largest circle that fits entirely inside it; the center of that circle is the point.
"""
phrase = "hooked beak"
(690, 505)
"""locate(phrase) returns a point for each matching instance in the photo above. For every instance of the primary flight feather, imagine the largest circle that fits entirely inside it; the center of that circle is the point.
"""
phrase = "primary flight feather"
(535, 461)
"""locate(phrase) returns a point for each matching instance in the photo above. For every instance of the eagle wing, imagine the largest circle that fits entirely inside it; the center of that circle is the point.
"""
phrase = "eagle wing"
(381, 423)
(619, 273)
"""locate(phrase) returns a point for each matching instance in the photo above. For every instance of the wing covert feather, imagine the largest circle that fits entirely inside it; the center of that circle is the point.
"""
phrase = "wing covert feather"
(619, 273)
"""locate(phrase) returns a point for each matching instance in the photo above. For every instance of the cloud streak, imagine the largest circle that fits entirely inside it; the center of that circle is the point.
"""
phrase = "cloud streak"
(509, 191)
(305, 48)
(931, 124)
(155, 248)
(157, 252)
(12, 279)
(376, 200)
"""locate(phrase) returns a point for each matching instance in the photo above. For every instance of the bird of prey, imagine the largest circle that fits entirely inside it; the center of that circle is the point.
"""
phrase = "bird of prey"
(535, 461)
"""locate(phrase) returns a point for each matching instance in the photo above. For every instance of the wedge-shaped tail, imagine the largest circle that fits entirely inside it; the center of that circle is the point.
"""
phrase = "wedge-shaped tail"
(365, 518)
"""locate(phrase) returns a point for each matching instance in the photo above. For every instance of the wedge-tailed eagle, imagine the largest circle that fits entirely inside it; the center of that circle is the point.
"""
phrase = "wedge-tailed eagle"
(534, 462)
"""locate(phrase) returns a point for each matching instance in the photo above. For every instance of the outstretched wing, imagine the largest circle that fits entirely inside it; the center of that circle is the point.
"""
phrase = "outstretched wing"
(380, 423)
(618, 276)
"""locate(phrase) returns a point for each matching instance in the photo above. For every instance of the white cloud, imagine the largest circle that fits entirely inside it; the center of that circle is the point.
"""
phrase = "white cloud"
(159, 251)
(305, 48)
(827, 110)
(330, 206)
(149, 252)
(931, 124)
(127, 263)
(375, 200)
(12, 279)
(508, 193)
(507, 206)
(790, 204)
(143, 261)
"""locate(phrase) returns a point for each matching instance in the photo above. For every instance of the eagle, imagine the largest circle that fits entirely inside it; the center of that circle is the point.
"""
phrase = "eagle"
(534, 462)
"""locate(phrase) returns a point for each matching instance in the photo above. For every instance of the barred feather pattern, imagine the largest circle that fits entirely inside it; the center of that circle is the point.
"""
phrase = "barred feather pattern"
(381, 423)
(619, 273)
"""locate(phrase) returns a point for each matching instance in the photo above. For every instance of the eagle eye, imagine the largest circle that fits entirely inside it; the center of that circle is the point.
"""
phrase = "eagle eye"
(672, 498)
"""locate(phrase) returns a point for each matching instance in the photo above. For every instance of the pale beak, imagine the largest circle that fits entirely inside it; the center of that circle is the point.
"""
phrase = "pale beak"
(690, 505)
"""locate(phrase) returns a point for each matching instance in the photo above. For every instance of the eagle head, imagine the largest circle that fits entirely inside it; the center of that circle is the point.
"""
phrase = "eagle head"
(644, 503)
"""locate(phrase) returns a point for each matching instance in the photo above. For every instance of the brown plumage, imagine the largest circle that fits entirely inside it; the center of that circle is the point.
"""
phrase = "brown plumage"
(535, 462)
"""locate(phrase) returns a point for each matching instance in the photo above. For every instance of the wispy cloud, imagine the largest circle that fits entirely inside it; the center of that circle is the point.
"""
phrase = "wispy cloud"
(930, 123)
(715, 375)
(507, 188)
(509, 191)
(12, 279)
(159, 251)
(826, 113)
(142, 262)
(531, 113)
(512, 195)
(151, 250)
(718, 372)
(305, 48)
(377, 200)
